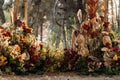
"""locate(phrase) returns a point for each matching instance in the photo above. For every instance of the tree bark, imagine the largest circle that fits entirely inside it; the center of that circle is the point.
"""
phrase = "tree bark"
(63, 35)
(105, 10)
(58, 36)
(119, 17)
(16, 9)
(25, 12)
(41, 32)
(112, 15)
(2, 16)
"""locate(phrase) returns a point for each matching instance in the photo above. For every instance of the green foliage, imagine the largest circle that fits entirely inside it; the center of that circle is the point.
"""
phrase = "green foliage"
(81, 66)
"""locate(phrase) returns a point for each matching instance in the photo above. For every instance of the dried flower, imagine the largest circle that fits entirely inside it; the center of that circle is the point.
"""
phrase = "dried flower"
(24, 56)
(27, 30)
(41, 45)
(93, 6)
(1, 27)
(104, 49)
(16, 50)
(115, 58)
(2, 60)
(92, 3)
(108, 45)
(117, 40)
(85, 26)
(107, 41)
(94, 34)
(102, 18)
(115, 49)
(106, 24)
(6, 33)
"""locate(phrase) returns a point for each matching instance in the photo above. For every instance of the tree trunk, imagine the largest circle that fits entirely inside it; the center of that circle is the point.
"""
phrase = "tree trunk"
(112, 12)
(68, 31)
(58, 36)
(119, 17)
(16, 9)
(35, 16)
(2, 16)
(25, 11)
(41, 32)
(63, 35)
(106, 9)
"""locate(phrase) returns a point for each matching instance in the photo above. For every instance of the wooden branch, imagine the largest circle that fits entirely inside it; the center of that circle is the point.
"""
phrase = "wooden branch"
(25, 11)
(16, 9)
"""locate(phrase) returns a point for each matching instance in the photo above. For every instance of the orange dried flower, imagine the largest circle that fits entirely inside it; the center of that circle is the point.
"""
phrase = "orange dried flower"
(6, 33)
(106, 24)
(1, 27)
(28, 30)
(41, 45)
(92, 3)
(17, 48)
(85, 26)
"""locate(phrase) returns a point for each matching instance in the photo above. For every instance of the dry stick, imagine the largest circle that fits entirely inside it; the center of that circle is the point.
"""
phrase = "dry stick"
(16, 10)
(25, 11)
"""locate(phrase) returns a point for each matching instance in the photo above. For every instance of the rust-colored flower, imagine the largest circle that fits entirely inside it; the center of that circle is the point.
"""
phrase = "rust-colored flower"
(92, 15)
(102, 18)
(41, 45)
(85, 26)
(27, 29)
(85, 33)
(92, 3)
(36, 56)
(94, 34)
(115, 49)
(1, 27)
(93, 6)
(107, 41)
(23, 25)
(108, 45)
(6, 33)
(106, 24)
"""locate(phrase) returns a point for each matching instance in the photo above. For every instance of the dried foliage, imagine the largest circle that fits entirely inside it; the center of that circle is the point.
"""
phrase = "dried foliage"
(95, 48)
